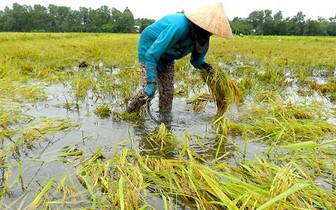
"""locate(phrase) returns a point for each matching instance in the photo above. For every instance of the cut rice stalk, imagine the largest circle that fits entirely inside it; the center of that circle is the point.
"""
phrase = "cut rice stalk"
(223, 88)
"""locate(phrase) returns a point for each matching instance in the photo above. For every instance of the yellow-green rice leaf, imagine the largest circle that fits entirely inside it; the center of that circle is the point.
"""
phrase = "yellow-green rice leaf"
(302, 145)
(293, 189)
(41, 194)
(121, 193)
(218, 192)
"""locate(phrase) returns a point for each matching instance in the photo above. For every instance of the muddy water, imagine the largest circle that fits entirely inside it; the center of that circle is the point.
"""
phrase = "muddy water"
(43, 162)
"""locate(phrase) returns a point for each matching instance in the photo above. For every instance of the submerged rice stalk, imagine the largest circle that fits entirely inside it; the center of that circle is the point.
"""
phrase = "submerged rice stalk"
(279, 123)
(249, 185)
(223, 88)
(161, 140)
(48, 126)
(39, 197)
(197, 101)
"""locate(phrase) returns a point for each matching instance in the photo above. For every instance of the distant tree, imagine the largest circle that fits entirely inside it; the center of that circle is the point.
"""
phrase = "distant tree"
(97, 18)
(332, 26)
(143, 23)
(297, 25)
(77, 25)
(117, 18)
(103, 17)
(128, 21)
(256, 18)
(18, 18)
(280, 25)
(122, 22)
(323, 24)
(317, 27)
(2, 20)
(54, 18)
(40, 19)
(62, 20)
(241, 26)
(267, 27)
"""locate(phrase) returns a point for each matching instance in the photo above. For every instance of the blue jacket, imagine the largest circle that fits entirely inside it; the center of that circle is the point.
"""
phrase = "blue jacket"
(168, 39)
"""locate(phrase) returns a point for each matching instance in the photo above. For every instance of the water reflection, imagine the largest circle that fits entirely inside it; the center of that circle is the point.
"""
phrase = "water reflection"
(202, 140)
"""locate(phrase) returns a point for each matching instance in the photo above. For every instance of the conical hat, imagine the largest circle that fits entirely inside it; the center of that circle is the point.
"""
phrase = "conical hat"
(211, 18)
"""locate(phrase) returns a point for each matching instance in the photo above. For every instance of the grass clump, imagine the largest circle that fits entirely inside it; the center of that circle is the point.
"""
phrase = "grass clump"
(103, 111)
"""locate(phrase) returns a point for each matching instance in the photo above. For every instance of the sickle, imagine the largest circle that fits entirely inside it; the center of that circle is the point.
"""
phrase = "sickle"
(150, 114)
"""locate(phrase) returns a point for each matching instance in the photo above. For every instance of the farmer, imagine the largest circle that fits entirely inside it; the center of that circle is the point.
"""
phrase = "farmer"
(170, 38)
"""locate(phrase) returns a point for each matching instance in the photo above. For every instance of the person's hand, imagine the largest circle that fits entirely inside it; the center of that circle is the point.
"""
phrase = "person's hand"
(207, 67)
(150, 90)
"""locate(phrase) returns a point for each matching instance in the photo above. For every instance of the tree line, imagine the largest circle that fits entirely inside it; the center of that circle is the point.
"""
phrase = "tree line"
(37, 18)
(265, 23)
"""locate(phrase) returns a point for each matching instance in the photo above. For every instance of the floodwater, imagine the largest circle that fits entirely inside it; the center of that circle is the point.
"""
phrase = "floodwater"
(42, 161)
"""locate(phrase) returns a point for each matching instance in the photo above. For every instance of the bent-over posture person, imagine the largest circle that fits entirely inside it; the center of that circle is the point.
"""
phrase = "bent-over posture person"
(170, 38)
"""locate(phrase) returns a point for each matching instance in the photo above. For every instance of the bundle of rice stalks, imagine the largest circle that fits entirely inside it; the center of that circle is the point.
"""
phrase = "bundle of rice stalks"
(223, 88)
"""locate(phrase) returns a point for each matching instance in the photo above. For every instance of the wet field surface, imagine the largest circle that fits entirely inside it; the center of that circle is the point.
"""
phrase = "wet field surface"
(286, 118)
(93, 132)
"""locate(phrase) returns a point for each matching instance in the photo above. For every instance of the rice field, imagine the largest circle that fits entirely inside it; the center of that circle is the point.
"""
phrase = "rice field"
(66, 142)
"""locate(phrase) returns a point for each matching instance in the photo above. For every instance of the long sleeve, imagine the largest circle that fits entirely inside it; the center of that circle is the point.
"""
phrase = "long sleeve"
(167, 38)
(197, 59)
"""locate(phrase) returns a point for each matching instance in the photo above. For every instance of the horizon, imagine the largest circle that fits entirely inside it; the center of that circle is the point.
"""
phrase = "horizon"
(232, 8)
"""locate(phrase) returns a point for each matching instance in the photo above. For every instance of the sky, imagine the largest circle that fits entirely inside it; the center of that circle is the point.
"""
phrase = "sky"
(154, 9)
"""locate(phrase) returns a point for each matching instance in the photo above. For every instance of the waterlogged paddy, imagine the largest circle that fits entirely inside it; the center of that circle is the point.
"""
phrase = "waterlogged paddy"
(67, 144)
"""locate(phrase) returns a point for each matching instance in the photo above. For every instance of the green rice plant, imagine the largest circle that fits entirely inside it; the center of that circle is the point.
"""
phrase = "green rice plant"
(183, 179)
(6, 183)
(198, 100)
(39, 197)
(133, 117)
(272, 77)
(278, 51)
(246, 86)
(16, 91)
(286, 186)
(115, 182)
(179, 172)
(327, 89)
(260, 184)
(332, 84)
(81, 84)
(161, 140)
(277, 122)
(68, 191)
(223, 88)
(48, 126)
(103, 111)
(70, 152)
(315, 160)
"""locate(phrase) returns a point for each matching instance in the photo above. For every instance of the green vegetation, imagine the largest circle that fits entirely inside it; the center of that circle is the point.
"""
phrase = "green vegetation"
(37, 18)
(274, 148)
(223, 88)
(264, 22)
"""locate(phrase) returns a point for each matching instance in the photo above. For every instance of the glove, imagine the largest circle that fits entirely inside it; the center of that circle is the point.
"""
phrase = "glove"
(151, 80)
(207, 67)
(150, 90)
